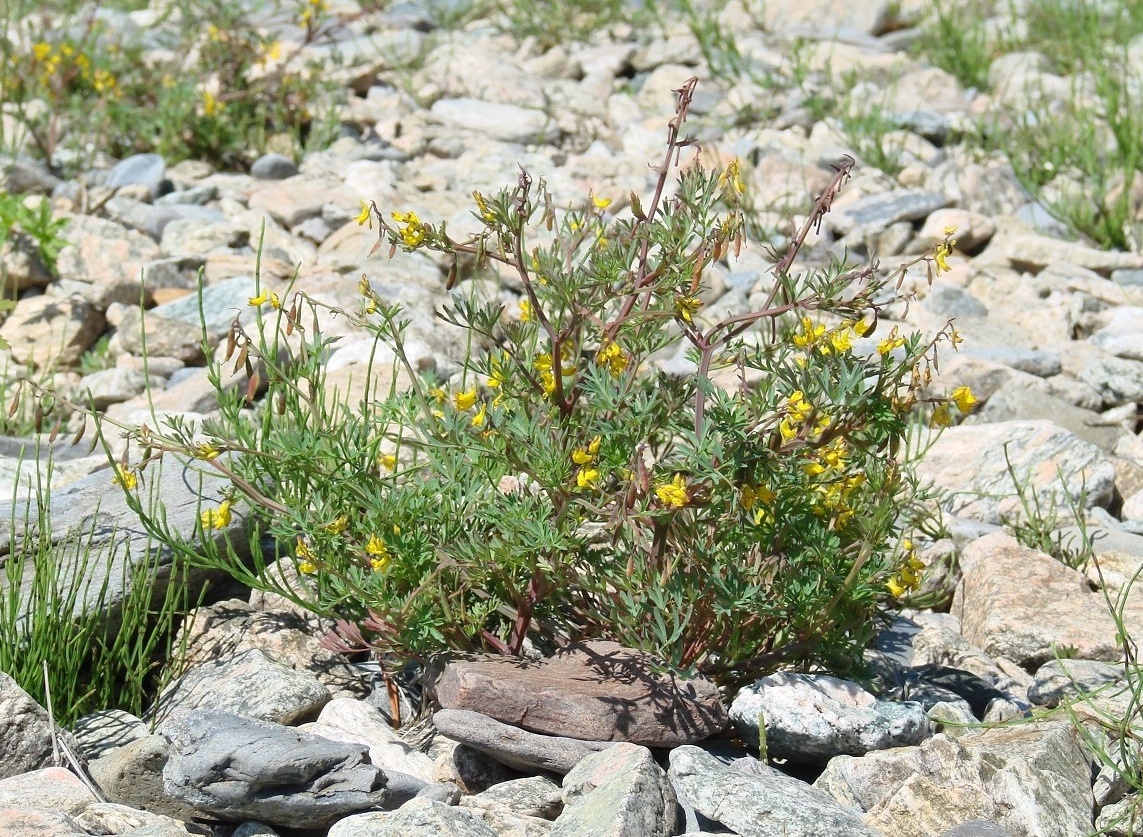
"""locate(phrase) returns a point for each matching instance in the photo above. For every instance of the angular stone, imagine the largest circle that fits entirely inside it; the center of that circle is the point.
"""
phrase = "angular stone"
(620, 792)
(26, 744)
(1020, 604)
(535, 796)
(248, 683)
(193, 237)
(1039, 362)
(1029, 778)
(758, 801)
(45, 331)
(16, 821)
(826, 17)
(138, 170)
(133, 775)
(101, 732)
(239, 768)
(596, 691)
(1116, 380)
(810, 718)
(1021, 404)
(110, 386)
(1058, 680)
(293, 200)
(20, 263)
(1121, 333)
(874, 213)
(273, 167)
(507, 123)
(109, 818)
(969, 463)
(159, 336)
(357, 722)
(513, 746)
(418, 818)
(1016, 245)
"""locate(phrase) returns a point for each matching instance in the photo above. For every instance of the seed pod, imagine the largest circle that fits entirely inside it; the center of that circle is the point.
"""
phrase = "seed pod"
(55, 431)
(231, 343)
(281, 402)
(39, 418)
(14, 406)
(242, 360)
(78, 437)
(452, 272)
(252, 388)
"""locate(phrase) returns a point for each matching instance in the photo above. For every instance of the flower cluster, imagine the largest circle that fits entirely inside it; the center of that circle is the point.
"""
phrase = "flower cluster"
(908, 577)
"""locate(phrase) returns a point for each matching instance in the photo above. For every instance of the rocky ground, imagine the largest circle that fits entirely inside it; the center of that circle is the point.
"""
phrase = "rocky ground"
(269, 733)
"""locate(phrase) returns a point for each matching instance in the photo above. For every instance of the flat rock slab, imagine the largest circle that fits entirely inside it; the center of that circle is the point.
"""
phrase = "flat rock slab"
(513, 746)
(595, 691)
(237, 768)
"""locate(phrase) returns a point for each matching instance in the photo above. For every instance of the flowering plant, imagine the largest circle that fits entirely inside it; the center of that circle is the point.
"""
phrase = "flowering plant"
(735, 513)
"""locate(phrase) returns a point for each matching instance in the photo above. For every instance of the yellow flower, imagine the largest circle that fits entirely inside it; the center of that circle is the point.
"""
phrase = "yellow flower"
(809, 333)
(950, 231)
(890, 343)
(307, 567)
(338, 525)
(496, 379)
(799, 406)
(601, 203)
(752, 494)
(940, 417)
(486, 214)
(587, 455)
(273, 52)
(896, 587)
(862, 328)
(732, 177)
(210, 104)
(125, 478)
(813, 468)
(206, 451)
(587, 477)
(613, 357)
(387, 461)
(263, 298)
(363, 215)
(687, 306)
(964, 399)
(842, 339)
(413, 231)
(525, 310)
(302, 549)
(103, 81)
(216, 518)
(465, 400)
(673, 494)
(787, 429)
(478, 419)
(940, 257)
(41, 50)
(377, 547)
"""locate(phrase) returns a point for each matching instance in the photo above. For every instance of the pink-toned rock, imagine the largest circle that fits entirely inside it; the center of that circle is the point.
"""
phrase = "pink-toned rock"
(970, 463)
(293, 200)
(35, 822)
(108, 256)
(1021, 604)
(51, 789)
(594, 691)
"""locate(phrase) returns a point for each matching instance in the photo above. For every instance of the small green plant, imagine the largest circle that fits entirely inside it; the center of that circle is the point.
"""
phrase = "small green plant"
(564, 21)
(55, 608)
(559, 487)
(221, 89)
(955, 39)
(38, 224)
(97, 358)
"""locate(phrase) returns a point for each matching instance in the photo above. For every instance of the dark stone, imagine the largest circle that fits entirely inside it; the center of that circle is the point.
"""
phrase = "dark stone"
(273, 167)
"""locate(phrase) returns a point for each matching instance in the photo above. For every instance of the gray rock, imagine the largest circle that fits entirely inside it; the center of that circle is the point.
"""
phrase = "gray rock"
(105, 256)
(138, 170)
(44, 330)
(1128, 278)
(111, 386)
(171, 273)
(1117, 381)
(951, 302)
(221, 302)
(513, 746)
(159, 336)
(760, 803)
(445, 792)
(52, 788)
(26, 744)
(248, 683)
(111, 818)
(620, 792)
(535, 796)
(22, 177)
(874, 213)
(976, 828)
(154, 220)
(507, 123)
(273, 167)
(1060, 680)
(237, 768)
(810, 718)
(193, 237)
(1015, 403)
(194, 196)
(101, 732)
(1121, 333)
(355, 721)
(417, 818)
(133, 775)
(1039, 362)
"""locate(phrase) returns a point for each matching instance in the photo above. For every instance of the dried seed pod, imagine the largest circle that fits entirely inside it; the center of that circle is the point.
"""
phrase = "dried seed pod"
(55, 431)
(78, 437)
(252, 387)
(15, 405)
(38, 418)
(242, 360)
(231, 343)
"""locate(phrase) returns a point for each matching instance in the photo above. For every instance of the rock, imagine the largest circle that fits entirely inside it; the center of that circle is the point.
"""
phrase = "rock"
(1029, 778)
(513, 746)
(1016, 245)
(466, 767)
(950, 302)
(293, 200)
(16, 821)
(273, 167)
(46, 332)
(969, 463)
(190, 237)
(109, 818)
(21, 177)
(111, 386)
(105, 256)
(159, 336)
(1120, 332)
(810, 718)
(237, 768)
(1015, 403)
(758, 801)
(507, 123)
(1128, 277)
(826, 17)
(101, 732)
(248, 683)
(972, 230)
(27, 741)
(1020, 604)
(619, 792)
(535, 796)
(145, 170)
(133, 775)
(1060, 680)
(1117, 381)
(357, 722)
(578, 693)
(50, 788)
(1039, 362)
(21, 264)
(418, 818)
(874, 213)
